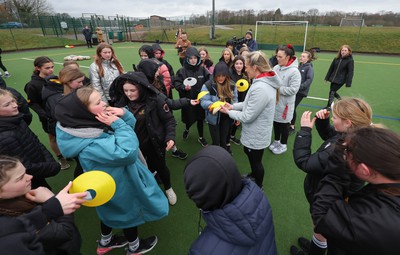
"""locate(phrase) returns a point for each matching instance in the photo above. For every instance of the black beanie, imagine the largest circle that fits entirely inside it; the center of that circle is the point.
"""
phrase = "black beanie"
(212, 179)
(221, 68)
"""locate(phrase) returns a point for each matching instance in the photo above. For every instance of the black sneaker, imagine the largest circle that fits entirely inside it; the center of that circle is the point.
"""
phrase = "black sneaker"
(202, 141)
(304, 244)
(291, 131)
(179, 154)
(235, 140)
(295, 251)
(185, 134)
(145, 245)
(116, 242)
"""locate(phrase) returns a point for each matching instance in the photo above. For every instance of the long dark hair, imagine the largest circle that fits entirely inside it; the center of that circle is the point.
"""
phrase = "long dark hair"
(378, 148)
(39, 62)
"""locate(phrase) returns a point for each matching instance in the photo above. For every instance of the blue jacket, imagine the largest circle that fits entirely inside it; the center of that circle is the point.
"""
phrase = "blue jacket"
(209, 99)
(241, 227)
(137, 198)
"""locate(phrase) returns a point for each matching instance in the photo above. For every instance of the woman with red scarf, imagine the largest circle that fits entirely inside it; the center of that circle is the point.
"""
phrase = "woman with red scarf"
(288, 69)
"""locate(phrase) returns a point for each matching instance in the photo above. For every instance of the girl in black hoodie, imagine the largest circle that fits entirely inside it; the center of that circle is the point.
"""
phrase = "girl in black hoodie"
(340, 72)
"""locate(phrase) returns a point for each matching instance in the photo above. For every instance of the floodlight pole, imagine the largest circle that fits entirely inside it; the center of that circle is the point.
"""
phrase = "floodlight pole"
(213, 21)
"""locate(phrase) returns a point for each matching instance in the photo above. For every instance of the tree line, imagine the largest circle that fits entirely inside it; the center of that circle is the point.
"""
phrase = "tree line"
(314, 16)
(27, 11)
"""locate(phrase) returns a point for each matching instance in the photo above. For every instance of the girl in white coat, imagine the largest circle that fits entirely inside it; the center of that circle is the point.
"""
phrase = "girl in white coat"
(287, 69)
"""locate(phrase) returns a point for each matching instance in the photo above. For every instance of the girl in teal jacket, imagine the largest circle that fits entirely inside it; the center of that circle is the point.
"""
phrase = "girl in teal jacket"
(104, 139)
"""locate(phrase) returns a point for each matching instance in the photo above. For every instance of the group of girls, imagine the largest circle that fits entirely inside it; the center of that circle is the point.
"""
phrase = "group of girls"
(86, 119)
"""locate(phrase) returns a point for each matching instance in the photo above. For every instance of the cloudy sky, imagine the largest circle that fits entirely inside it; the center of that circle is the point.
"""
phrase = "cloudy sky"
(174, 8)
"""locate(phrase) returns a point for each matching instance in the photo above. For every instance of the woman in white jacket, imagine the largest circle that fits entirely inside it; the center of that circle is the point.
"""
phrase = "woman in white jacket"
(256, 112)
(104, 70)
(287, 69)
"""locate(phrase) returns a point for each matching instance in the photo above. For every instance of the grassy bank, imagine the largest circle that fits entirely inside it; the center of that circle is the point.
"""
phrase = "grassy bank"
(385, 40)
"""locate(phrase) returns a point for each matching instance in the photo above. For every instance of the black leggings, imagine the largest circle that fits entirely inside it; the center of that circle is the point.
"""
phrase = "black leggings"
(156, 162)
(333, 93)
(220, 132)
(281, 132)
(257, 168)
(130, 233)
(200, 127)
(2, 66)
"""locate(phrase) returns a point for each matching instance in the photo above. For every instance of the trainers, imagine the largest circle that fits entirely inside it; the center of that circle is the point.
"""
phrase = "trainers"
(295, 251)
(304, 244)
(116, 242)
(179, 154)
(274, 145)
(280, 149)
(202, 141)
(235, 140)
(228, 149)
(7, 75)
(171, 196)
(145, 245)
(185, 134)
(64, 164)
(291, 131)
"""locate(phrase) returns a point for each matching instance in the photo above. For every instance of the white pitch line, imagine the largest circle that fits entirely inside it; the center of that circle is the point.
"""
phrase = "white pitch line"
(58, 63)
(318, 98)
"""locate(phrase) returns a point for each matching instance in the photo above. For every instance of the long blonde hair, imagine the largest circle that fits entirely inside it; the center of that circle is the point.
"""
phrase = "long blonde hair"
(354, 109)
(68, 74)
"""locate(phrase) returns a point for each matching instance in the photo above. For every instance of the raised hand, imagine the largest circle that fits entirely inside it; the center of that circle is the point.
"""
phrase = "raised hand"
(106, 118)
(306, 120)
(70, 202)
(115, 111)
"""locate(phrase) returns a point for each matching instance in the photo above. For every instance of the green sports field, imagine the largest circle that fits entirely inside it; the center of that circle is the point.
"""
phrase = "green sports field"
(376, 80)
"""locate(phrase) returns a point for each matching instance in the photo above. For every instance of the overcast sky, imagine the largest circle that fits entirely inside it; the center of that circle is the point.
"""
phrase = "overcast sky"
(173, 8)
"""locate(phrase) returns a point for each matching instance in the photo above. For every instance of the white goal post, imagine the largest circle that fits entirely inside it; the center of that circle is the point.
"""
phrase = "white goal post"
(283, 23)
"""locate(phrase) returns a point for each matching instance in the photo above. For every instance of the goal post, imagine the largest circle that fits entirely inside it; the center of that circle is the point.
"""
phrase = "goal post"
(270, 34)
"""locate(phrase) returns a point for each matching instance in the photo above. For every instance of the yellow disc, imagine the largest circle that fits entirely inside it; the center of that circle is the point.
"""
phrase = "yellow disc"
(242, 85)
(202, 94)
(216, 106)
(99, 184)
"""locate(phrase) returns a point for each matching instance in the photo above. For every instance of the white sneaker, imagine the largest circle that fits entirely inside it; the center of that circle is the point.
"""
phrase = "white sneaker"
(274, 145)
(171, 196)
(280, 149)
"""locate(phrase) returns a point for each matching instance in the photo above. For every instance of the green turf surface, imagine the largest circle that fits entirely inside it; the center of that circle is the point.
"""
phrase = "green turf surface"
(376, 80)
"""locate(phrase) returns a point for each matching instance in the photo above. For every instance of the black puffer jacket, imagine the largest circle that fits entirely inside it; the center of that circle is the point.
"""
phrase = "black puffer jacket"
(341, 71)
(51, 93)
(367, 223)
(17, 140)
(43, 228)
(160, 123)
(33, 90)
(318, 163)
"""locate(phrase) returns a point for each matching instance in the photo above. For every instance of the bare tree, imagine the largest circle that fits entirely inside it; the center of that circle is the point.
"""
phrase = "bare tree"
(25, 10)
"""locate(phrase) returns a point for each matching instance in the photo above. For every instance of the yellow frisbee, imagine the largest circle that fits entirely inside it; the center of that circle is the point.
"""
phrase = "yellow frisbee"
(99, 184)
(242, 85)
(216, 106)
(202, 94)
